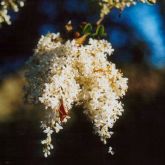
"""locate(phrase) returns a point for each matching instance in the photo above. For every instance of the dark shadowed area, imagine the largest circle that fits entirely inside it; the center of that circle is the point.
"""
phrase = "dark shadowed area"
(138, 37)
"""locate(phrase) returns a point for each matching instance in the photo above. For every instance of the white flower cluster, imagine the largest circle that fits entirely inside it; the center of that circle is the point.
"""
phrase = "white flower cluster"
(107, 5)
(61, 74)
(5, 6)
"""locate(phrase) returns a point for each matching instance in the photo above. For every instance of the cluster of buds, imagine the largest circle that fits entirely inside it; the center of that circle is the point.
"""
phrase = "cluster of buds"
(107, 5)
(7, 5)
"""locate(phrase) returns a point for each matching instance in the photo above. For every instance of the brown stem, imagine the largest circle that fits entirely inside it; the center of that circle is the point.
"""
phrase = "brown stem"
(99, 21)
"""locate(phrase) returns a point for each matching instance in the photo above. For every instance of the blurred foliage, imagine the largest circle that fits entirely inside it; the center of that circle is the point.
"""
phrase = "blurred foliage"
(12, 96)
(144, 81)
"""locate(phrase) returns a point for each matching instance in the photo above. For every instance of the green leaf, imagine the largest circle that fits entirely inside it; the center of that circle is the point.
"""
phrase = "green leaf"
(87, 29)
(100, 31)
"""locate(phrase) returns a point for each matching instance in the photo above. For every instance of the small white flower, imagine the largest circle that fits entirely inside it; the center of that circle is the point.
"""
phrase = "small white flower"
(45, 154)
(110, 151)
(48, 131)
(58, 127)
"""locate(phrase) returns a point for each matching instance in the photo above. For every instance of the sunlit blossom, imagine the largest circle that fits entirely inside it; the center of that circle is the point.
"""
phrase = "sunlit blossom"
(61, 74)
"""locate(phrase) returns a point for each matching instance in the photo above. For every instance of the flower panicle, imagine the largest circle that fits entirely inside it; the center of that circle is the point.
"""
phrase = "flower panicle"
(62, 74)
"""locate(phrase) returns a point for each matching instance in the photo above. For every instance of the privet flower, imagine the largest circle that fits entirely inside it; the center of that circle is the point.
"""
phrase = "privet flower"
(107, 5)
(5, 6)
(61, 74)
